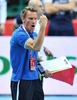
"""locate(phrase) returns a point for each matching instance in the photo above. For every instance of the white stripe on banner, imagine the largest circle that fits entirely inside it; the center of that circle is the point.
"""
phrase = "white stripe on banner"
(59, 46)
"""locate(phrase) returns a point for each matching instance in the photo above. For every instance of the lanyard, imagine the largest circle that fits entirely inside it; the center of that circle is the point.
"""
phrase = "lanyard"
(22, 27)
(29, 36)
(32, 56)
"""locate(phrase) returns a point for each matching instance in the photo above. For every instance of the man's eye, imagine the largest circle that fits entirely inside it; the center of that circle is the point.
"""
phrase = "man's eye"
(31, 18)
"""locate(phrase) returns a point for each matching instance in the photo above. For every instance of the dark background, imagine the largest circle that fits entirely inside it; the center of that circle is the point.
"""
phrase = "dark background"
(14, 7)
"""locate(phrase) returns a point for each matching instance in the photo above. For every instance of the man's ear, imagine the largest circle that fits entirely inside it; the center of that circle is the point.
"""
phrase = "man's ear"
(22, 19)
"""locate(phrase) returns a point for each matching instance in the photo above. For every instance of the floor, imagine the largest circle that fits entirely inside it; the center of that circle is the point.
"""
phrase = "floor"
(5, 97)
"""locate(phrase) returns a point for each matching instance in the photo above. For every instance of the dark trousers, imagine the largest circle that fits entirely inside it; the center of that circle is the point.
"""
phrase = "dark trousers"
(14, 90)
(30, 90)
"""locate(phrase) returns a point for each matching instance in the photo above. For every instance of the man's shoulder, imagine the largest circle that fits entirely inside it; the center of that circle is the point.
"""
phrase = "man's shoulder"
(17, 32)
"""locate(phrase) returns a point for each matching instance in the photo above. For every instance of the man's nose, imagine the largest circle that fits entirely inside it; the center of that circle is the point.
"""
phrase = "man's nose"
(34, 20)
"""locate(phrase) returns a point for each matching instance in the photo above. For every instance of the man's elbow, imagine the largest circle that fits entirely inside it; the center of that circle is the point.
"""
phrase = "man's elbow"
(37, 49)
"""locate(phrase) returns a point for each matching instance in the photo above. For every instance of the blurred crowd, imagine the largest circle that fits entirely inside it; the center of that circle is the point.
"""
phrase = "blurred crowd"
(3, 15)
(59, 13)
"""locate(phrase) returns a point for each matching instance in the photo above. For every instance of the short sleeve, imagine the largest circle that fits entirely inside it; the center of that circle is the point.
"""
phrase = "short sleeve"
(21, 38)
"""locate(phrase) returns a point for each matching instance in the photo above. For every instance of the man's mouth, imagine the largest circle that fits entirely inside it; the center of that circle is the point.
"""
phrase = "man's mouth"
(32, 25)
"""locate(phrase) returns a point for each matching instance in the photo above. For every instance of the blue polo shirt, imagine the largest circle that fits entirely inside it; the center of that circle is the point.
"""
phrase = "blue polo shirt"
(20, 56)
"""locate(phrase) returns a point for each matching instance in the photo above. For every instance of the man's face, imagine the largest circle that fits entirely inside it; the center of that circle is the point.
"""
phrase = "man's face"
(30, 21)
(40, 8)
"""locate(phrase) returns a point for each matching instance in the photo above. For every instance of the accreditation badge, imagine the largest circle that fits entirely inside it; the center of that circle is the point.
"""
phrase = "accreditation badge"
(32, 64)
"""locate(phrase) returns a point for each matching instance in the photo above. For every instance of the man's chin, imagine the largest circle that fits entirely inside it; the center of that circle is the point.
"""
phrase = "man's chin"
(32, 29)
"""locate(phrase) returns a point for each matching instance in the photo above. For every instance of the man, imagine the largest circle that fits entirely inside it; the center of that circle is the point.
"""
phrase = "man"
(3, 16)
(60, 15)
(37, 4)
(24, 47)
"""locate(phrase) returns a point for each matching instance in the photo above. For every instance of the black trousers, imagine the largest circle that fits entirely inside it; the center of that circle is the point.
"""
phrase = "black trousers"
(13, 87)
(30, 90)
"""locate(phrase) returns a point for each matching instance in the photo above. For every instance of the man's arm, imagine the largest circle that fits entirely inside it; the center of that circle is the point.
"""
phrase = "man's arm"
(37, 43)
(67, 7)
(52, 8)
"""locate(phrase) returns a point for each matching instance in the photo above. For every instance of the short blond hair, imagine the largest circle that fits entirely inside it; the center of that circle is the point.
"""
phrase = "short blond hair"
(24, 11)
